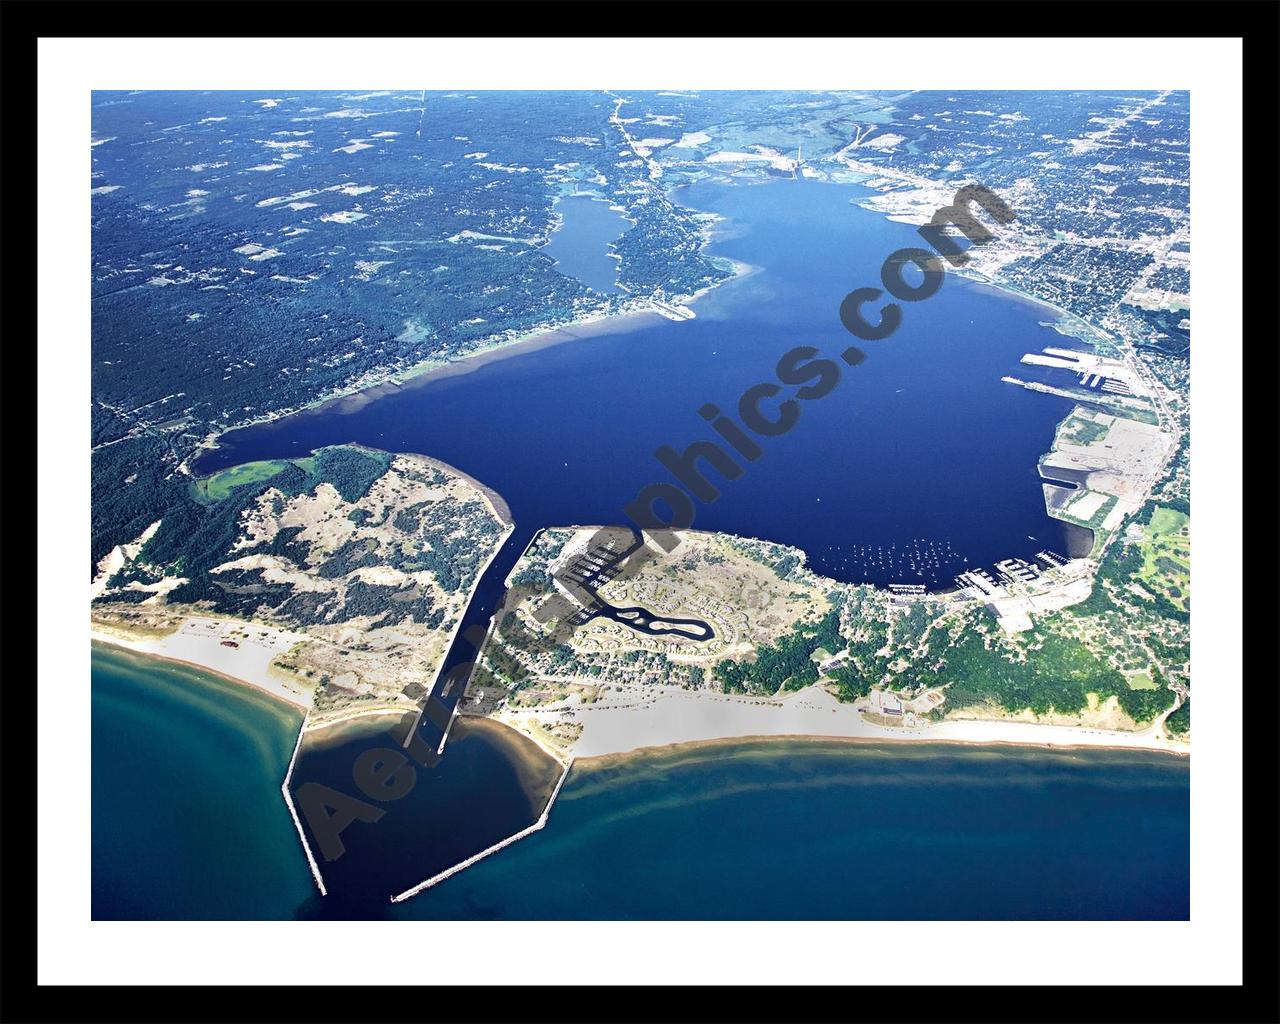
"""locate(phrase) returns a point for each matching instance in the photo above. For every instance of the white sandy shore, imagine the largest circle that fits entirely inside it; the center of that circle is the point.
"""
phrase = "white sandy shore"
(198, 642)
(672, 715)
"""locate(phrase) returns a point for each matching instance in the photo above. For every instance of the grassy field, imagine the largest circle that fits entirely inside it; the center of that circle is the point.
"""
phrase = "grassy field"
(1082, 428)
(1166, 557)
(1099, 513)
(219, 486)
(1141, 681)
(1167, 520)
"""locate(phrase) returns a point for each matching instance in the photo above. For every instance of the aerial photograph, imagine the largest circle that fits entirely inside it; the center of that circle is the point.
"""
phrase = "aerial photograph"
(669, 505)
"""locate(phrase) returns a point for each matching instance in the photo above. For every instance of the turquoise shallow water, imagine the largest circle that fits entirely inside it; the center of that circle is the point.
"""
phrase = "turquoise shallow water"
(188, 822)
(188, 819)
(822, 830)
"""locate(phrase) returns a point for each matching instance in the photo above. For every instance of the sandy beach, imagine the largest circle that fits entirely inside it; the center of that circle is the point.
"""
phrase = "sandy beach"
(660, 716)
(671, 715)
(200, 642)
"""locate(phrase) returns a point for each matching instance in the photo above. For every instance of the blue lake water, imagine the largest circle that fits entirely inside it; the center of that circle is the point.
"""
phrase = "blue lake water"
(919, 464)
(581, 245)
(188, 823)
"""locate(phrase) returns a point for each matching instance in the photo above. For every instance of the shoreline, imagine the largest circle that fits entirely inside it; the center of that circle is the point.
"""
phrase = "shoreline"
(906, 742)
(585, 326)
(590, 326)
(351, 399)
(278, 693)
(361, 393)
(497, 503)
(948, 732)
(358, 716)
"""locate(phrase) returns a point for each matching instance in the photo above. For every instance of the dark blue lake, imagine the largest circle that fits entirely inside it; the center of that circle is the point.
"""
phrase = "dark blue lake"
(920, 459)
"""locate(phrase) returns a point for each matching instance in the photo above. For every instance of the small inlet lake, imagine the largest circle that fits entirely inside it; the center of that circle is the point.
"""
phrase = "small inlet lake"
(580, 246)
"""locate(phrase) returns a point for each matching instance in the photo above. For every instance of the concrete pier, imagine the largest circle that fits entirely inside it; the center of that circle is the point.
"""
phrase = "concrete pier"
(450, 872)
(293, 812)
